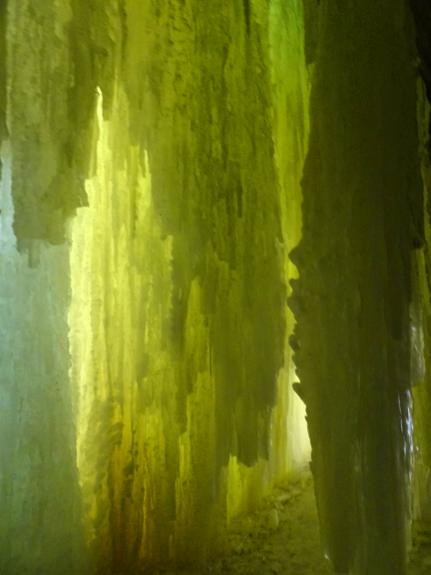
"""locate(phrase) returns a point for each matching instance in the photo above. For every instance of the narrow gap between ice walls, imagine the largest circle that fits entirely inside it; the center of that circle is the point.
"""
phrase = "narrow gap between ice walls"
(181, 366)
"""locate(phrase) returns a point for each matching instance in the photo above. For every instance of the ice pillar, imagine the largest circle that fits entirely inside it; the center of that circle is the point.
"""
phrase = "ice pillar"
(362, 217)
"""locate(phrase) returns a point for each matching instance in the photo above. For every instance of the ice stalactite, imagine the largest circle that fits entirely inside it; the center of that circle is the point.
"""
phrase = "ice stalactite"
(362, 219)
(179, 272)
(48, 168)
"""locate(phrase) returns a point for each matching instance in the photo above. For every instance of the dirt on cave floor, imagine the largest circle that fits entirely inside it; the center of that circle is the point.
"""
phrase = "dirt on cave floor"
(282, 538)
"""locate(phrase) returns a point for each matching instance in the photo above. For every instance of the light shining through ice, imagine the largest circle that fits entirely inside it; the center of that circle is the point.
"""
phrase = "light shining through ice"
(184, 417)
(214, 273)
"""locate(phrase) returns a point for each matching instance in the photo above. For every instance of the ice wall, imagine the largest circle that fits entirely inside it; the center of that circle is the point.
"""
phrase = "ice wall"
(420, 314)
(362, 218)
(41, 514)
(179, 273)
(162, 145)
(40, 506)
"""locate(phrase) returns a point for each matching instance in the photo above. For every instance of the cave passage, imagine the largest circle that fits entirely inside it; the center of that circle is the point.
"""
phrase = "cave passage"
(215, 293)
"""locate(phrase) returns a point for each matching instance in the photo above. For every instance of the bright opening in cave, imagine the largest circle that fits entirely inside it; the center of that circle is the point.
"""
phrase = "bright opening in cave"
(214, 287)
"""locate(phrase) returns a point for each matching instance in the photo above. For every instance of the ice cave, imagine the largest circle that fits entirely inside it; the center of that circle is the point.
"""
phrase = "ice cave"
(215, 287)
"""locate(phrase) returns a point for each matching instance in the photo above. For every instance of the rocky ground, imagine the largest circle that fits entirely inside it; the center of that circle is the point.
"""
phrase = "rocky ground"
(282, 538)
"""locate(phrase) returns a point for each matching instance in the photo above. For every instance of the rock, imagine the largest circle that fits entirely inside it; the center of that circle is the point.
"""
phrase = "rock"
(273, 520)
(284, 498)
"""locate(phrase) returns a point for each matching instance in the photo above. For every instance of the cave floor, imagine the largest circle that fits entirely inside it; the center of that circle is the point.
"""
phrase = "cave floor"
(282, 538)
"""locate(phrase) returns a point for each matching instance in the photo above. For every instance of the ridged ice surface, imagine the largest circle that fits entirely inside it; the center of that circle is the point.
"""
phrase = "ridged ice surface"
(362, 219)
(162, 144)
(40, 530)
(160, 163)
